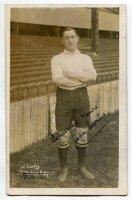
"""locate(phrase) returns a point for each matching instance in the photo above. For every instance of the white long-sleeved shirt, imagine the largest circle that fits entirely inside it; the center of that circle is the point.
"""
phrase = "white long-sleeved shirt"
(71, 62)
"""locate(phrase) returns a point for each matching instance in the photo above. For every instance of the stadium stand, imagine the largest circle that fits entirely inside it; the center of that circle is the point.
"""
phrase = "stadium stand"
(31, 55)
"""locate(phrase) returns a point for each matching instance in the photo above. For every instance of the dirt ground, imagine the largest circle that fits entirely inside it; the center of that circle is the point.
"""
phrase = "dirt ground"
(42, 158)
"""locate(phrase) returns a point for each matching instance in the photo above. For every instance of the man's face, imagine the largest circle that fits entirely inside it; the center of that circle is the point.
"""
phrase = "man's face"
(70, 40)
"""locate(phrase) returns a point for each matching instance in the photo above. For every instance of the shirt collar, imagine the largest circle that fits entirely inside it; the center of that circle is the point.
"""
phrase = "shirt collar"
(69, 52)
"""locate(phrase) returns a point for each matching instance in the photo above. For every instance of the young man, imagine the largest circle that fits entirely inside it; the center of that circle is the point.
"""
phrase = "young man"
(71, 70)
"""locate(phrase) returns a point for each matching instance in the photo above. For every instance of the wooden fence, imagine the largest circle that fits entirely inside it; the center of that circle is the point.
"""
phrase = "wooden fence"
(30, 118)
(28, 122)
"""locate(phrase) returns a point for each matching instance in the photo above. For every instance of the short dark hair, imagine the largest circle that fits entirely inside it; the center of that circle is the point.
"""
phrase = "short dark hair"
(69, 29)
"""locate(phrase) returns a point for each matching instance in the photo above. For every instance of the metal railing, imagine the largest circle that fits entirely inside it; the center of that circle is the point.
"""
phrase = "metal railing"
(22, 92)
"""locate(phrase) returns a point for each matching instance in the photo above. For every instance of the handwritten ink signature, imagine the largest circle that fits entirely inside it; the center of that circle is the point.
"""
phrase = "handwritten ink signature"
(76, 138)
(98, 119)
(90, 126)
(57, 135)
(96, 133)
(88, 113)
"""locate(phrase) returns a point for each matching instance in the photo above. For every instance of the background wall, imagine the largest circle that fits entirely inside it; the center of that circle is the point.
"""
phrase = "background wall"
(75, 17)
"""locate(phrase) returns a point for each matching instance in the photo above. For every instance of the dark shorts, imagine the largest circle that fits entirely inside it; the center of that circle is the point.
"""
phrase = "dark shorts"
(70, 104)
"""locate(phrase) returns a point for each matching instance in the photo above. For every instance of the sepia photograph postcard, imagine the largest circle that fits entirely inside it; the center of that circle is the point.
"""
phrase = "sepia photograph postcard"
(66, 100)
